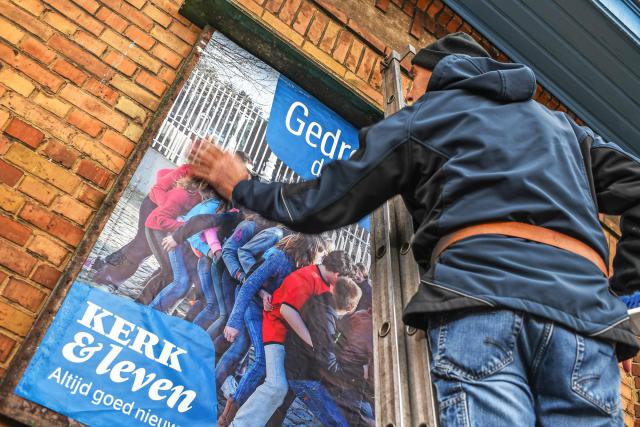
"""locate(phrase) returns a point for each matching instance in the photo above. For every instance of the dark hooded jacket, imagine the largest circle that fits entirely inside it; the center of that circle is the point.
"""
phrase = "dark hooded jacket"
(477, 148)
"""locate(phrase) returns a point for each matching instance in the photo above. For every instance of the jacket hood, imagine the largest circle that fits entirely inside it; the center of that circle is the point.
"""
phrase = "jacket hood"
(505, 82)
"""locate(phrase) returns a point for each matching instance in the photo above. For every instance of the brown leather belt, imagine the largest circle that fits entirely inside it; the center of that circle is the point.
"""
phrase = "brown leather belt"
(524, 231)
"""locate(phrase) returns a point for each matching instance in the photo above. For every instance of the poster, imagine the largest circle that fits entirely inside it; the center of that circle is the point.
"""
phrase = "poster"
(177, 314)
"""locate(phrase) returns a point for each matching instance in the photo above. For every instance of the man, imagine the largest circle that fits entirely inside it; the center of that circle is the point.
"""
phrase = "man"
(362, 279)
(504, 196)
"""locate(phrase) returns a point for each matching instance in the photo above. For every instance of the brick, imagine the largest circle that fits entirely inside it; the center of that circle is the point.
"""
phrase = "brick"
(318, 25)
(10, 200)
(455, 24)
(37, 50)
(88, 5)
(383, 5)
(353, 57)
(26, 295)
(253, 8)
(99, 153)
(44, 120)
(34, 7)
(24, 132)
(52, 224)
(422, 4)
(6, 347)
(71, 72)
(10, 32)
(60, 23)
(40, 191)
(90, 43)
(417, 24)
(283, 29)
(14, 231)
(72, 209)
(80, 56)
(366, 65)
(77, 15)
(48, 249)
(132, 52)
(185, 33)
(131, 109)
(169, 76)
(137, 3)
(366, 35)
(58, 152)
(149, 82)
(140, 38)
(120, 63)
(46, 276)
(169, 6)
(118, 143)
(342, 46)
(30, 68)
(94, 173)
(273, 6)
(301, 24)
(131, 13)
(112, 20)
(435, 8)
(8, 174)
(170, 40)
(91, 196)
(136, 92)
(94, 107)
(166, 55)
(15, 320)
(4, 118)
(85, 123)
(157, 15)
(330, 36)
(52, 103)
(133, 132)
(15, 81)
(42, 168)
(101, 91)
(15, 259)
(24, 19)
(323, 58)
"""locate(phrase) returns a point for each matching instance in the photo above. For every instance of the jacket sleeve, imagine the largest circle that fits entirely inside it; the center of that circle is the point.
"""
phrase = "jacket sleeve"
(347, 190)
(198, 223)
(326, 348)
(165, 180)
(616, 176)
(241, 235)
(248, 254)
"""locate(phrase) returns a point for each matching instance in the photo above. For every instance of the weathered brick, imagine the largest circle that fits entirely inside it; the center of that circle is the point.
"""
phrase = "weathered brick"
(185, 33)
(368, 36)
(24, 132)
(342, 46)
(52, 103)
(134, 53)
(10, 200)
(6, 347)
(324, 58)
(287, 32)
(139, 37)
(330, 36)
(99, 153)
(26, 295)
(157, 15)
(91, 196)
(90, 43)
(4, 118)
(34, 7)
(24, 19)
(120, 63)
(133, 132)
(42, 168)
(15, 81)
(38, 50)
(149, 82)
(70, 208)
(366, 65)
(69, 71)
(131, 13)
(101, 91)
(353, 58)
(52, 224)
(303, 19)
(131, 109)
(88, 5)
(288, 11)
(80, 56)
(58, 152)
(118, 143)
(166, 55)
(14, 231)
(137, 3)
(40, 191)
(170, 40)
(15, 320)
(46, 276)
(10, 32)
(94, 107)
(333, 10)
(94, 173)
(77, 15)
(44, 120)
(136, 92)
(112, 20)
(169, 76)
(85, 122)
(30, 68)
(273, 6)
(16, 259)
(168, 6)
(48, 249)
(319, 23)
(60, 23)
(8, 174)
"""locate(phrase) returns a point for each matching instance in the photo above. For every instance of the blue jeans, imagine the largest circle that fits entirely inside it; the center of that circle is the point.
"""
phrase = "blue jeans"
(252, 377)
(506, 368)
(232, 355)
(180, 285)
(224, 288)
(315, 396)
(209, 312)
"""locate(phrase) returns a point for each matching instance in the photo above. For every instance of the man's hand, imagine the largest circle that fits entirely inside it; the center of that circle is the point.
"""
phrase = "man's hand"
(169, 244)
(231, 333)
(266, 300)
(222, 170)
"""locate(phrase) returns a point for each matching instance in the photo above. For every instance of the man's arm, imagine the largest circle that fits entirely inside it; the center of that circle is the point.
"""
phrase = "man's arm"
(293, 318)
(616, 176)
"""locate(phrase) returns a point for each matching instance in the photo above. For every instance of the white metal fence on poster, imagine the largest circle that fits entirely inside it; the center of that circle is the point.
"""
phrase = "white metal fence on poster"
(207, 107)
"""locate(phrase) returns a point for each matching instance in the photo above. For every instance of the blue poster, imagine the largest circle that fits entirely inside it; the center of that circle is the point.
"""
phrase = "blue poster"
(304, 133)
(108, 361)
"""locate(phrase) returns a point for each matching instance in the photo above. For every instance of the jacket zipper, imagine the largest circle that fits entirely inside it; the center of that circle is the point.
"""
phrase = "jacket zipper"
(490, 304)
(609, 327)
